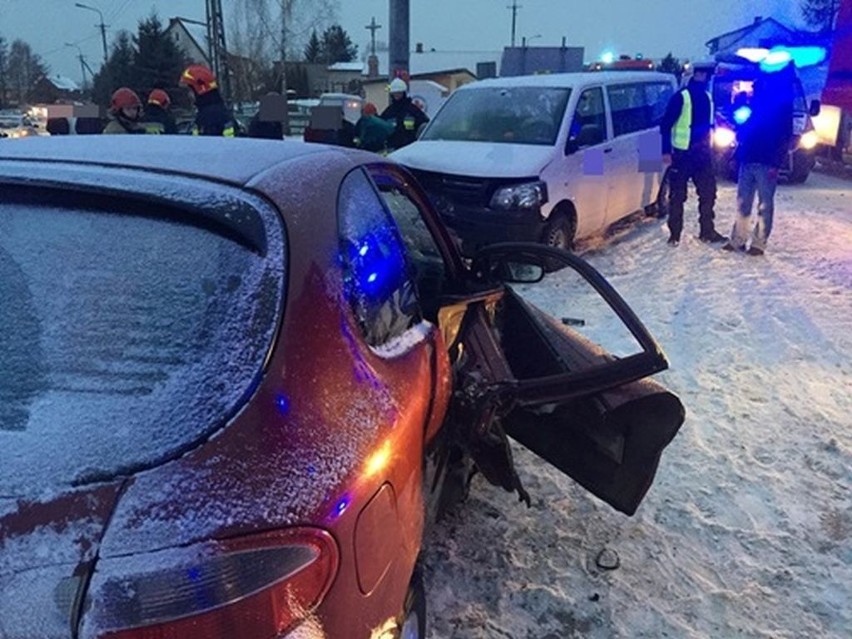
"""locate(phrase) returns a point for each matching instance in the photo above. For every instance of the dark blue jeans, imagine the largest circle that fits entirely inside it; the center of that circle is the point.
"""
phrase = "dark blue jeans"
(762, 180)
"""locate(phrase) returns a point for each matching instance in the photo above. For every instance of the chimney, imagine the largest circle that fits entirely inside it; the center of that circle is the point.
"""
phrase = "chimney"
(418, 48)
(758, 19)
(373, 66)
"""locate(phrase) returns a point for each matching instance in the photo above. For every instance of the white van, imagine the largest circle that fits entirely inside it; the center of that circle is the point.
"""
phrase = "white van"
(545, 158)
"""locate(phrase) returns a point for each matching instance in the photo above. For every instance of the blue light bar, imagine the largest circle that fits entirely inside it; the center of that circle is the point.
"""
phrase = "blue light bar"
(777, 58)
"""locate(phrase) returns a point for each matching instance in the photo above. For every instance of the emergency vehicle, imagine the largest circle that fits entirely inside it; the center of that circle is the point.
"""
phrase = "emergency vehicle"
(732, 87)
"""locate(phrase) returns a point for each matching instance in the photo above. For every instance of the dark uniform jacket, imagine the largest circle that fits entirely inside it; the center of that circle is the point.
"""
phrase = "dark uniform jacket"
(157, 115)
(408, 118)
(213, 117)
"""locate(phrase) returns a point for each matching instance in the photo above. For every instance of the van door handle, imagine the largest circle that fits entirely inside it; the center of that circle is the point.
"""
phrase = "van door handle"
(609, 150)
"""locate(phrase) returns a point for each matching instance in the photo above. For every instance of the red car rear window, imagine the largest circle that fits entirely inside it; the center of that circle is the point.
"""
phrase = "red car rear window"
(126, 339)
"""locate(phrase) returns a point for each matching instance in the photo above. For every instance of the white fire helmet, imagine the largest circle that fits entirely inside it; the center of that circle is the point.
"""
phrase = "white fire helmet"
(398, 85)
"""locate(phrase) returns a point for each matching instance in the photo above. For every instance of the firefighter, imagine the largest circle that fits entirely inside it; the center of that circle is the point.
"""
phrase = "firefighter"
(212, 116)
(125, 112)
(158, 119)
(687, 129)
(406, 115)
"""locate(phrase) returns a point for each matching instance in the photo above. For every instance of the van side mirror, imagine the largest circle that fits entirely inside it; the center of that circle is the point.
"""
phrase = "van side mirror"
(815, 108)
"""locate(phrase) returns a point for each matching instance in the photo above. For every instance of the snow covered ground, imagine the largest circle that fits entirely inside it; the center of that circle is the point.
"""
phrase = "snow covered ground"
(747, 531)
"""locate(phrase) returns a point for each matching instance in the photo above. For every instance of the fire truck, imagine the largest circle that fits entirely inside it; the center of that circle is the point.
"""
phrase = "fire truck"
(834, 125)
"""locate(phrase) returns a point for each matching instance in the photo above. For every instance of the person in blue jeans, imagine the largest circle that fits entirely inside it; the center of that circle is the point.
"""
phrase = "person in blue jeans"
(763, 142)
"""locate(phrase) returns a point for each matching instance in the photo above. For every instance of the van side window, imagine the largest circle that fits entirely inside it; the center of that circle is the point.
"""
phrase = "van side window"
(588, 126)
(638, 106)
(628, 107)
(657, 96)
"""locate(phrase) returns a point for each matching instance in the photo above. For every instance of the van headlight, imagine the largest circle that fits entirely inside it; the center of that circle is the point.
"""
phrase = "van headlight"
(724, 137)
(530, 195)
(808, 140)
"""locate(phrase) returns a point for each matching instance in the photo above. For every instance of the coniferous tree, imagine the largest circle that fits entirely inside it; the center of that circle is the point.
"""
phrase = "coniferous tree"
(313, 50)
(118, 70)
(337, 46)
(157, 60)
(671, 64)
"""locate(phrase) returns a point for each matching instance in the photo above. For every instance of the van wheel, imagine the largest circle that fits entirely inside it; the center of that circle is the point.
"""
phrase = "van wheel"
(559, 232)
(413, 624)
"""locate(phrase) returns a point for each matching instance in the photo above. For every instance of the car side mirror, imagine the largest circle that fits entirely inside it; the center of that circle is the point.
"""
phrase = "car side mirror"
(815, 108)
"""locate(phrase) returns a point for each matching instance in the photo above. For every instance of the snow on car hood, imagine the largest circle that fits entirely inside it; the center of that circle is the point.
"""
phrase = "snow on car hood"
(477, 159)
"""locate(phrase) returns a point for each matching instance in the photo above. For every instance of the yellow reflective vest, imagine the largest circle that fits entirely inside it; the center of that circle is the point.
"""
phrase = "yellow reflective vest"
(682, 130)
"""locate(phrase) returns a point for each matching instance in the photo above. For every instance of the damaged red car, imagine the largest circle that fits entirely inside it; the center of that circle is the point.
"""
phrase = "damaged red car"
(238, 380)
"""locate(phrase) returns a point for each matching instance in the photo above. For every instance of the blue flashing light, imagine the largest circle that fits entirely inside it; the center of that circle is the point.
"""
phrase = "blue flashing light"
(775, 60)
(363, 251)
(742, 114)
(341, 506)
(807, 56)
(607, 57)
(372, 277)
(283, 404)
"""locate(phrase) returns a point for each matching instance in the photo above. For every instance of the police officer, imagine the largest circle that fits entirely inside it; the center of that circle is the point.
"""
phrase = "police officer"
(158, 119)
(686, 129)
(406, 115)
(212, 116)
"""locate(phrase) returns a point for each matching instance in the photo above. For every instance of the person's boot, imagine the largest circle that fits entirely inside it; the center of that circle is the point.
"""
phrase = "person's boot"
(674, 240)
(712, 237)
(753, 250)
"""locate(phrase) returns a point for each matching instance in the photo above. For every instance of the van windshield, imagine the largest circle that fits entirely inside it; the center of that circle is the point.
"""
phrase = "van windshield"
(520, 115)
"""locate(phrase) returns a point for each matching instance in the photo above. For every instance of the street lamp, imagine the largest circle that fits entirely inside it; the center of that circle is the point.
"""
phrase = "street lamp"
(101, 25)
(524, 39)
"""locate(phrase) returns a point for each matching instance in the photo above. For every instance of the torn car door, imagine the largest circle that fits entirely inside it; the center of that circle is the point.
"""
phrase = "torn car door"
(587, 411)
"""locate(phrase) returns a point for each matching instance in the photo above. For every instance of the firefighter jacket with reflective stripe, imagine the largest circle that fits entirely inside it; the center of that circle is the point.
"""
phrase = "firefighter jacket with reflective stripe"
(689, 118)
(213, 117)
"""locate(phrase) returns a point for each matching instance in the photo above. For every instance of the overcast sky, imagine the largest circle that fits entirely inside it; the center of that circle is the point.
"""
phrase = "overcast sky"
(623, 26)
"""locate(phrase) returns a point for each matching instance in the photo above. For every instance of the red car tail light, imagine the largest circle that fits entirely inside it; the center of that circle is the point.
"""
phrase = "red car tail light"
(251, 588)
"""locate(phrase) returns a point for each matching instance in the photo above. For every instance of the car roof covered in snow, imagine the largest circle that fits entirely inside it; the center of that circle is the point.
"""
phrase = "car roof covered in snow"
(222, 159)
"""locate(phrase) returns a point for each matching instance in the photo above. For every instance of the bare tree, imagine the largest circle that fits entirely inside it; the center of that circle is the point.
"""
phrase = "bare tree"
(263, 32)
(256, 27)
(25, 68)
(820, 14)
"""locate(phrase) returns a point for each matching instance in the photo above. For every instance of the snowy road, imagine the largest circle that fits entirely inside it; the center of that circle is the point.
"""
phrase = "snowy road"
(747, 531)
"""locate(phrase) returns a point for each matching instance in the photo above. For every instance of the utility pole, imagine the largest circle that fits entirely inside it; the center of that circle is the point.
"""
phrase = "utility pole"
(372, 28)
(84, 66)
(284, 8)
(218, 51)
(102, 26)
(514, 7)
(399, 34)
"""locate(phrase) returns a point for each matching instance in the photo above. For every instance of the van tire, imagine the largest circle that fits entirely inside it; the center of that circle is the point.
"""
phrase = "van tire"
(560, 230)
